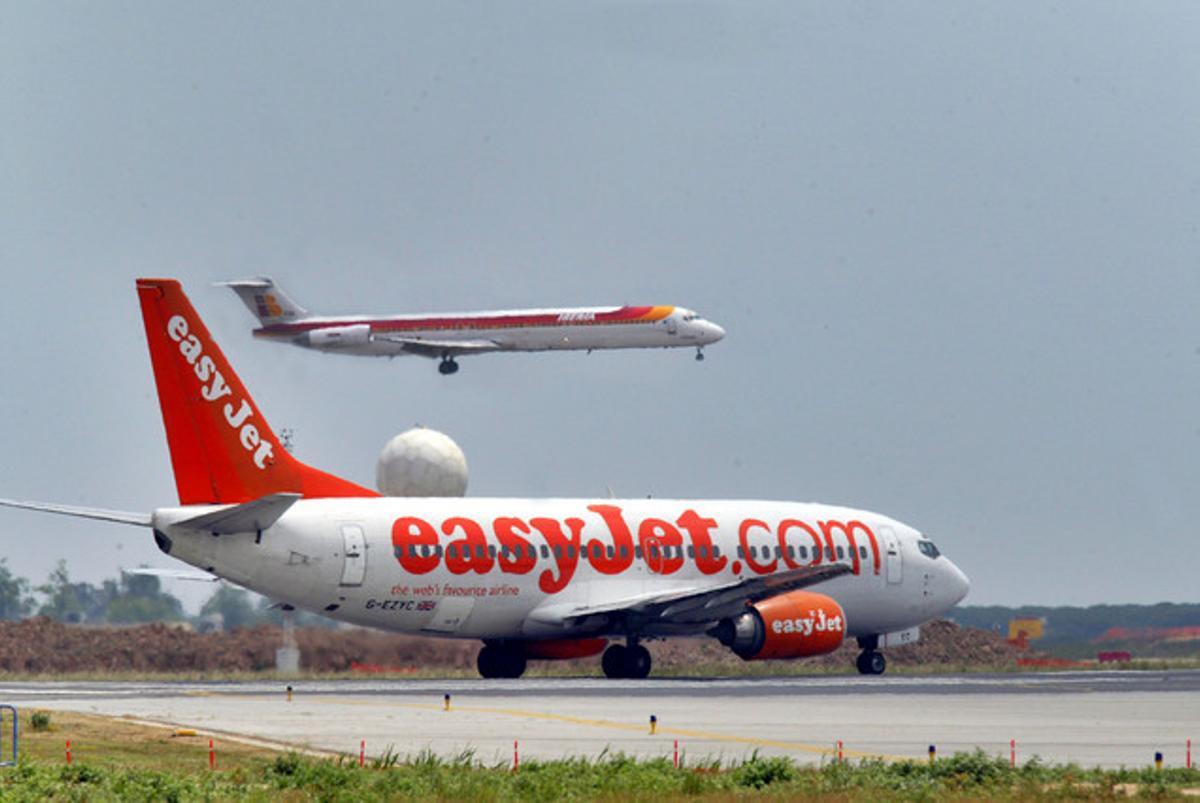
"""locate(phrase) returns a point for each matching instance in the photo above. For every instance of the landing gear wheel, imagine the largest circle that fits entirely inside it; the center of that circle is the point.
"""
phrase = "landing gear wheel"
(447, 366)
(699, 355)
(614, 660)
(626, 662)
(499, 662)
(871, 662)
(637, 662)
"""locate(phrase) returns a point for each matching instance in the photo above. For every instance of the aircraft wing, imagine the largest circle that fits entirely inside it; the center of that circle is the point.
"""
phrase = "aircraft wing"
(693, 606)
(439, 348)
(119, 516)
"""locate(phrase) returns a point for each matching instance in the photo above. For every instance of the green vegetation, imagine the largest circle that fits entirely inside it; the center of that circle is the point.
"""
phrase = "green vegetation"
(114, 759)
(972, 776)
(1074, 624)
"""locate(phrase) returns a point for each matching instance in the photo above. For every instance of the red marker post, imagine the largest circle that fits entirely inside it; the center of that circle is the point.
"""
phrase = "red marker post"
(1189, 754)
(68, 752)
(1012, 752)
(676, 759)
(212, 756)
(362, 753)
(841, 753)
(516, 757)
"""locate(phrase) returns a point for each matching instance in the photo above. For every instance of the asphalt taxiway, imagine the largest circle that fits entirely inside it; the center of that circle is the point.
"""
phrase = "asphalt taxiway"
(1090, 718)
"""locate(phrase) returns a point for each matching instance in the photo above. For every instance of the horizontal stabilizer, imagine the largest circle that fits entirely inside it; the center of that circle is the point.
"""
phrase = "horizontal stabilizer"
(247, 517)
(119, 516)
(173, 574)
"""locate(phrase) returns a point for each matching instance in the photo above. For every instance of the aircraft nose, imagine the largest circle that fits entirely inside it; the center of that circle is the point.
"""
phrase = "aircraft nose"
(959, 584)
(714, 332)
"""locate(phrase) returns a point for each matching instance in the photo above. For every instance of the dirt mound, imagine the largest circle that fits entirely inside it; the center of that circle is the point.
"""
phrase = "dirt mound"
(42, 646)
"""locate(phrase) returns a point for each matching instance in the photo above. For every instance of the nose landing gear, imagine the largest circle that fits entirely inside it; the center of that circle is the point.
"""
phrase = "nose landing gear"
(699, 354)
(870, 661)
(626, 662)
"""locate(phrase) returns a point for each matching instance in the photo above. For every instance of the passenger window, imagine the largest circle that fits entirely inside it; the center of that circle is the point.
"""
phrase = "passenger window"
(479, 551)
(779, 552)
(412, 550)
(608, 551)
(492, 551)
(829, 553)
(704, 552)
(803, 553)
(637, 551)
(841, 553)
(596, 551)
(691, 552)
(545, 551)
(716, 551)
(791, 552)
(570, 550)
(862, 552)
(558, 552)
(624, 551)
(741, 553)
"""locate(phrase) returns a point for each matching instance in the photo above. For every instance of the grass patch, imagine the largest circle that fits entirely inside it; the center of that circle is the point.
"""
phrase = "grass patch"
(103, 743)
(120, 760)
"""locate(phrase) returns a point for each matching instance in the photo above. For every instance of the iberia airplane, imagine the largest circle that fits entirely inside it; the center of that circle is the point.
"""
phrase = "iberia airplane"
(445, 336)
(531, 578)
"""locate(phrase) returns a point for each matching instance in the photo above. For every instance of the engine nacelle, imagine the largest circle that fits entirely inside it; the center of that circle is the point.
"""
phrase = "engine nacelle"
(358, 334)
(799, 624)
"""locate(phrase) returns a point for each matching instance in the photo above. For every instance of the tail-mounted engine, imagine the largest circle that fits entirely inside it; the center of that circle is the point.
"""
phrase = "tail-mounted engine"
(358, 334)
(798, 624)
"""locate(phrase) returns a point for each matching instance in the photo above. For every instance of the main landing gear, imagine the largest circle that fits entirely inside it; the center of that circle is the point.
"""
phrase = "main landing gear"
(870, 661)
(630, 661)
(499, 661)
(447, 365)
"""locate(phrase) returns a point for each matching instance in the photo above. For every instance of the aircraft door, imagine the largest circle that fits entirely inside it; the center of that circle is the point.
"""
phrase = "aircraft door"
(891, 547)
(354, 555)
(672, 325)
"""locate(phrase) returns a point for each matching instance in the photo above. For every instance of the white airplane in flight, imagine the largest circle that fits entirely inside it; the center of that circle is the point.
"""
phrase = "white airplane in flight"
(445, 336)
(532, 578)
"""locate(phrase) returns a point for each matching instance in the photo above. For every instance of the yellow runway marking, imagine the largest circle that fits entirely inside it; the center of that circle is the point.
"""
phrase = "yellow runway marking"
(606, 724)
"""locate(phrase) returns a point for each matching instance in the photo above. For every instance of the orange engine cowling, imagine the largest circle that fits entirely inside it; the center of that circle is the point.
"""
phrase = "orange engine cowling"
(798, 624)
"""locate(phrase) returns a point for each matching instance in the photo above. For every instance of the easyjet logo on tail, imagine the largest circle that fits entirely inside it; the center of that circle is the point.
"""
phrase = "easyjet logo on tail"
(213, 388)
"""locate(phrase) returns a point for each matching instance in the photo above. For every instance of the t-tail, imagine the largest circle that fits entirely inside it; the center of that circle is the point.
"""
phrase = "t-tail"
(266, 300)
(222, 448)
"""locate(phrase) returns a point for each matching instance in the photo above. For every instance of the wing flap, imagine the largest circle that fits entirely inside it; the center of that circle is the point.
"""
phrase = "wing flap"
(439, 348)
(696, 605)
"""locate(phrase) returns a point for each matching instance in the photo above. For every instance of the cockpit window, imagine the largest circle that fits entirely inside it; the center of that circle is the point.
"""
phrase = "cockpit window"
(928, 548)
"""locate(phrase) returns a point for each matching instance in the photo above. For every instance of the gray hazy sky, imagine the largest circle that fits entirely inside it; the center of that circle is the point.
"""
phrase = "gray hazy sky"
(954, 246)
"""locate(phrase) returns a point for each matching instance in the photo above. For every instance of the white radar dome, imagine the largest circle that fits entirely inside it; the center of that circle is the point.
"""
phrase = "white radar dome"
(421, 462)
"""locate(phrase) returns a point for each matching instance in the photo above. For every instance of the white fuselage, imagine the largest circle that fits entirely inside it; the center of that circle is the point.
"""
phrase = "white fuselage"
(509, 568)
(585, 328)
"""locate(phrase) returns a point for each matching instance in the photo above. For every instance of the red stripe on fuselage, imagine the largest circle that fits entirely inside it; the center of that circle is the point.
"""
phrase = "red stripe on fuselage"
(518, 320)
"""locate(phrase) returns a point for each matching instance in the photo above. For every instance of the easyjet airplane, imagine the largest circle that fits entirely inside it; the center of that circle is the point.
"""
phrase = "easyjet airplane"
(531, 578)
(445, 336)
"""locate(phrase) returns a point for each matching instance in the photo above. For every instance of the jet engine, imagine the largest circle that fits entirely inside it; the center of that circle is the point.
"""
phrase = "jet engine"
(799, 624)
(338, 336)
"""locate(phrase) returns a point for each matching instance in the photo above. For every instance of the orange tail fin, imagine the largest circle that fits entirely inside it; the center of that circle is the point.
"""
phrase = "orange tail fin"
(222, 449)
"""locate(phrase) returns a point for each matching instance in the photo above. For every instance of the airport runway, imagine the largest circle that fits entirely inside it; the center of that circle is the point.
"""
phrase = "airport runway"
(1091, 718)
